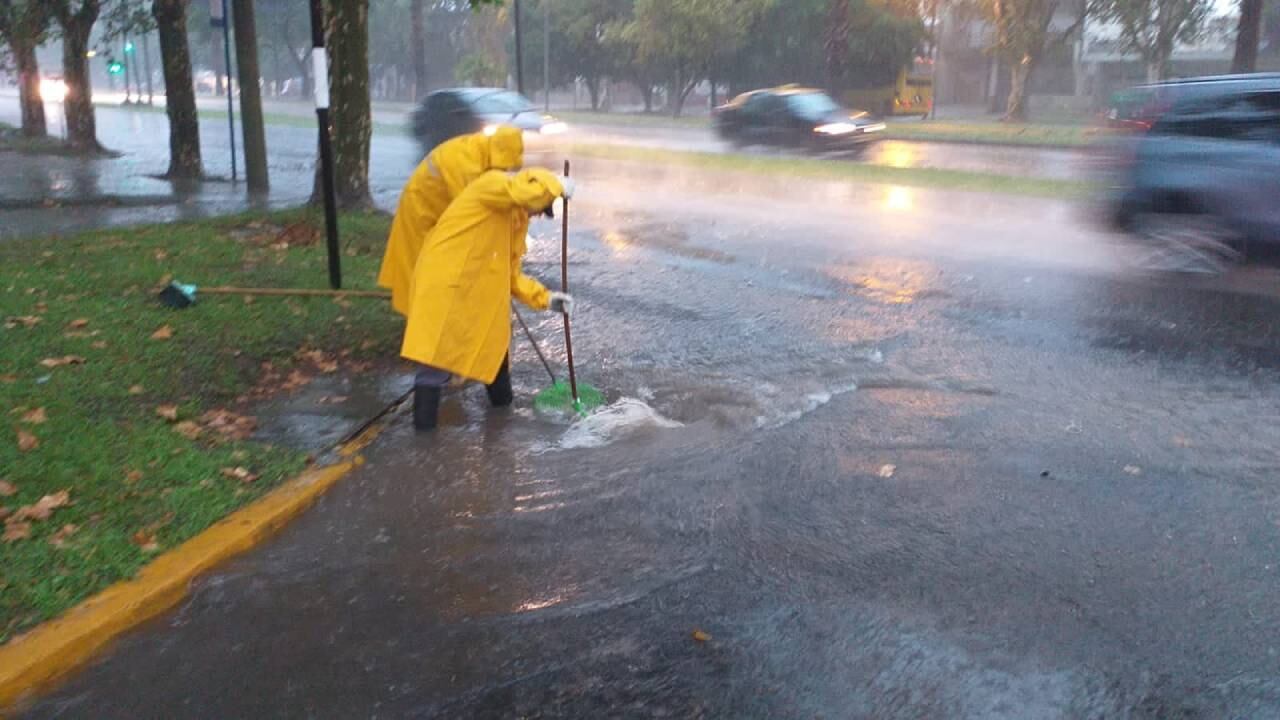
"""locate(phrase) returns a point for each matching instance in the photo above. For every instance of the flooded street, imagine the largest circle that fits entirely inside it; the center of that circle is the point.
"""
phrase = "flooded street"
(876, 452)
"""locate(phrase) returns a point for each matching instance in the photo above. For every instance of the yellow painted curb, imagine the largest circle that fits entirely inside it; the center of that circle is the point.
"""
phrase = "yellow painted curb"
(33, 661)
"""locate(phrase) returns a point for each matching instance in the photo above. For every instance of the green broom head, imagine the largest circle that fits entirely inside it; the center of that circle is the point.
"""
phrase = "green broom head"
(559, 399)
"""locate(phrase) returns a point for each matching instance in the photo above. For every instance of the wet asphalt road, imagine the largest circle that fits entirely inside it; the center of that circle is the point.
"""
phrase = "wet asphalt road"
(937, 457)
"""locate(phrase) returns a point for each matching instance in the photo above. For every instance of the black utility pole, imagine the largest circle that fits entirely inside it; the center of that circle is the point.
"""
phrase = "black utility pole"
(320, 69)
(515, 8)
(218, 18)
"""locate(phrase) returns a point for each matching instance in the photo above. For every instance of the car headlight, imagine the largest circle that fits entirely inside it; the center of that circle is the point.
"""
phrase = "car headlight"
(839, 128)
(555, 127)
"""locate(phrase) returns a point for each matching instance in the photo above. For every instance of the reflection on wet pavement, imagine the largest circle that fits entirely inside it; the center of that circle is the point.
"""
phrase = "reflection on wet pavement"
(1006, 567)
(782, 344)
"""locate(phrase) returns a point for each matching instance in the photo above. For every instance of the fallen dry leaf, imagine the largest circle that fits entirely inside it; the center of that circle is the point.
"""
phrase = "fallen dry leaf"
(701, 636)
(164, 333)
(187, 429)
(7, 489)
(78, 323)
(26, 321)
(321, 360)
(168, 412)
(239, 473)
(228, 424)
(133, 476)
(53, 362)
(887, 471)
(296, 379)
(146, 541)
(35, 417)
(15, 531)
(59, 539)
(8, 378)
(99, 345)
(332, 399)
(43, 507)
(27, 442)
(161, 255)
(136, 390)
(5, 512)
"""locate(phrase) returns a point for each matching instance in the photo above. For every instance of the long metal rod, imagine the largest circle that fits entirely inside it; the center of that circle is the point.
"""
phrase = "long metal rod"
(226, 64)
(546, 55)
(320, 71)
(515, 9)
(536, 347)
(564, 287)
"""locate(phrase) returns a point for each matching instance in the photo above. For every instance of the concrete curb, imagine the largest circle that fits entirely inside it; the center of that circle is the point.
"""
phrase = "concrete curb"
(36, 660)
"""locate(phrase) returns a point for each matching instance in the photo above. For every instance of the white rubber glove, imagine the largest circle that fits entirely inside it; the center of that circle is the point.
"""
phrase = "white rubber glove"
(568, 184)
(561, 303)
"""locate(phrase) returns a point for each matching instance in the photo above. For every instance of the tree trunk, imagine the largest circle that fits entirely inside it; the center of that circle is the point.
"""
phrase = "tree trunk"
(1247, 32)
(1157, 69)
(418, 46)
(1019, 81)
(593, 87)
(82, 126)
(32, 104)
(347, 35)
(646, 91)
(837, 45)
(254, 133)
(999, 95)
(179, 89)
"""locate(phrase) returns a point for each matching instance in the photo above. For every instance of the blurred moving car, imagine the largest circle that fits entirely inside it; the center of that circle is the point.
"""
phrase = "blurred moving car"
(1204, 181)
(798, 117)
(1138, 108)
(446, 114)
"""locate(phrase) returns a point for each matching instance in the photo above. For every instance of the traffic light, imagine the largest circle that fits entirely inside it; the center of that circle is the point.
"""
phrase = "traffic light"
(128, 47)
(114, 67)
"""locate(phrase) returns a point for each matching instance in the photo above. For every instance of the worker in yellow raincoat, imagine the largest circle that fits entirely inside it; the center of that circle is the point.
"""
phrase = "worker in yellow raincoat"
(467, 272)
(439, 178)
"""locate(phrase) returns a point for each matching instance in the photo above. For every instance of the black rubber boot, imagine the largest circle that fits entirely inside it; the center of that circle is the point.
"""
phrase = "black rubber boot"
(426, 407)
(500, 392)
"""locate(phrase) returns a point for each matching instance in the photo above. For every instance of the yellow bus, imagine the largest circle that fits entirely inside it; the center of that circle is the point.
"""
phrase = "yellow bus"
(911, 95)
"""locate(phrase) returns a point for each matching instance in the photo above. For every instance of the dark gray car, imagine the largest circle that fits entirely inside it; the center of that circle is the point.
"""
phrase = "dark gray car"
(1203, 184)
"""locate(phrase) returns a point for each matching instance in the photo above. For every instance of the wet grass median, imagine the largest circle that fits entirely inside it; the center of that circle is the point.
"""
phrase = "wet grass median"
(844, 169)
(127, 426)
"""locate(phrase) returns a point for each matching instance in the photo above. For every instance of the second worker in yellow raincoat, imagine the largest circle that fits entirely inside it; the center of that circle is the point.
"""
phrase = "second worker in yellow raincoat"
(440, 178)
(468, 271)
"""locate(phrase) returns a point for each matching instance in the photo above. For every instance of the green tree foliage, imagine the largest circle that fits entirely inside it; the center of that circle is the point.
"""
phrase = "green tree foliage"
(1151, 28)
(867, 49)
(683, 39)
(478, 69)
(580, 45)
(1023, 35)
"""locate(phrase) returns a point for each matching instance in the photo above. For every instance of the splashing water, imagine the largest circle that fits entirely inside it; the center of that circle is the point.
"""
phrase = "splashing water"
(602, 427)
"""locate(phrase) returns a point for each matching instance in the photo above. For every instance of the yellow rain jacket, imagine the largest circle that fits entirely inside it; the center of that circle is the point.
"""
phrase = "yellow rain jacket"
(468, 271)
(437, 181)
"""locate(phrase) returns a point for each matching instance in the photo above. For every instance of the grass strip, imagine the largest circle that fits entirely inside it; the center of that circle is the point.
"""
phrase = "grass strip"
(92, 364)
